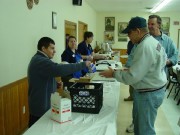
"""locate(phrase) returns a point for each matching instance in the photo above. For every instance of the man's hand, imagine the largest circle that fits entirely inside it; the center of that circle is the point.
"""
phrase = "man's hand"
(90, 58)
(107, 73)
(88, 63)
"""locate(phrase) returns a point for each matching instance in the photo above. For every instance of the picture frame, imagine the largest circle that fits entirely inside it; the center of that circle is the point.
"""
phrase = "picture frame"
(121, 36)
(109, 23)
(109, 37)
(54, 20)
(165, 25)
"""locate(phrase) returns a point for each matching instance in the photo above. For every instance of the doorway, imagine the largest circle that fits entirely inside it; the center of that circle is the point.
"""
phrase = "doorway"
(70, 29)
(82, 27)
(178, 42)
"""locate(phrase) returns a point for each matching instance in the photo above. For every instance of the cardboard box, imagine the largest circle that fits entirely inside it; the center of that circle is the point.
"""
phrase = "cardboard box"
(84, 79)
(60, 108)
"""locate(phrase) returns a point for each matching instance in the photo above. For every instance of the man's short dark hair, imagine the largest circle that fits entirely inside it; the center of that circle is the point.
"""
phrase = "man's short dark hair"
(87, 34)
(45, 41)
(159, 20)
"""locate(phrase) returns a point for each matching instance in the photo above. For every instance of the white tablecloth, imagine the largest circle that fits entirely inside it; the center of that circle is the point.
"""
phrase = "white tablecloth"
(124, 56)
(103, 123)
(114, 65)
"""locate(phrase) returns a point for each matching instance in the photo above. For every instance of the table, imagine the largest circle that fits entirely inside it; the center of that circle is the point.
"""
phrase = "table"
(103, 123)
(124, 56)
(104, 64)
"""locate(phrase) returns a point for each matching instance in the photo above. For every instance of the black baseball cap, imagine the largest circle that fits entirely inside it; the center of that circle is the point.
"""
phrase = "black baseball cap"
(135, 22)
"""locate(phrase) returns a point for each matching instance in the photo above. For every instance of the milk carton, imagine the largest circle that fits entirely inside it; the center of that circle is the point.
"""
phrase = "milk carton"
(60, 108)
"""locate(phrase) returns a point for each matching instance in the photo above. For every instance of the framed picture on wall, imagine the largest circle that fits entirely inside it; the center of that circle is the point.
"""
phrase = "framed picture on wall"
(121, 36)
(109, 23)
(109, 37)
(54, 20)
(165, 25)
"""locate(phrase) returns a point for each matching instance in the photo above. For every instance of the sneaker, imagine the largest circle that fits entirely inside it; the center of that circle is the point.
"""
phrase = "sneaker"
(130, 128)
(128, 99)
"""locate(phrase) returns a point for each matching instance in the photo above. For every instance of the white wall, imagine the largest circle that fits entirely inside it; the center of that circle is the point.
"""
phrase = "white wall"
(125, 17)
(21, 28)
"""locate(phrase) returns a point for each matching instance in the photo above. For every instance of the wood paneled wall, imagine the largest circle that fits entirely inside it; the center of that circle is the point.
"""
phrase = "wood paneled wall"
(14, 112)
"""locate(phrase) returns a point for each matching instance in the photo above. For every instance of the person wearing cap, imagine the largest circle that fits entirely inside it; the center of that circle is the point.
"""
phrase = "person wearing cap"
(146, 75)
(154, 26)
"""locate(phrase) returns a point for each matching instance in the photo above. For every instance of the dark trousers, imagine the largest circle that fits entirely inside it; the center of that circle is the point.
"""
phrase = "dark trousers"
(131, 91)
(32, 120)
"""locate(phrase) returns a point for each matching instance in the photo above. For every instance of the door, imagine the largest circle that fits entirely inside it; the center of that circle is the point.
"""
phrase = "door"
(178, 43)
(70, 29)
(82, 27)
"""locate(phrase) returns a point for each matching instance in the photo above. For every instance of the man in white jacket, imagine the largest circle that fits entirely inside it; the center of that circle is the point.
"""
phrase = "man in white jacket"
(146, 75)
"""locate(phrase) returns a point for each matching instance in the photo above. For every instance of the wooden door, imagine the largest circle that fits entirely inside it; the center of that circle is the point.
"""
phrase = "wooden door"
(82, 27)
(178, 42)
(71, 29)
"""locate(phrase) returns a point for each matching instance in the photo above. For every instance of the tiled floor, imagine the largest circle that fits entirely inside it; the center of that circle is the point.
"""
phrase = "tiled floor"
(167, 118)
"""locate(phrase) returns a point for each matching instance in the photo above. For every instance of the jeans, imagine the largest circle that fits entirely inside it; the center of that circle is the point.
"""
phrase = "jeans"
(145, 108)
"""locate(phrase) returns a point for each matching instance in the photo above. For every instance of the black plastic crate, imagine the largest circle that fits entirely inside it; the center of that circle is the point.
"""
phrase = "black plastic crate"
(86, 97)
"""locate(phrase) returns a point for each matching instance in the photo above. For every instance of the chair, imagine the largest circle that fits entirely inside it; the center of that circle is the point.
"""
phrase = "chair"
(178, 79)
(172, 79)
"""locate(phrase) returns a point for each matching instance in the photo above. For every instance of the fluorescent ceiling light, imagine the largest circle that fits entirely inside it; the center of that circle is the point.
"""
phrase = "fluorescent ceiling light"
(160, 5)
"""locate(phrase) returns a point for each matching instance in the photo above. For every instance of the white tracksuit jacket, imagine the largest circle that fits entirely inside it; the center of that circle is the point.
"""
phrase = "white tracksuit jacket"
(147, 67)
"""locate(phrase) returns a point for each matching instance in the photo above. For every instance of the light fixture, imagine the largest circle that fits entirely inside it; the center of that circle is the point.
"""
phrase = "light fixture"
(161, 4)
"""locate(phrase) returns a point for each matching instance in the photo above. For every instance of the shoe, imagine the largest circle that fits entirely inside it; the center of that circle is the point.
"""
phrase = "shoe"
(128, 99)
(130, 128)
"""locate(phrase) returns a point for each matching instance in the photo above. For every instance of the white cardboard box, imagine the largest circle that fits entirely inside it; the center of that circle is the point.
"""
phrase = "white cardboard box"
(60, 108)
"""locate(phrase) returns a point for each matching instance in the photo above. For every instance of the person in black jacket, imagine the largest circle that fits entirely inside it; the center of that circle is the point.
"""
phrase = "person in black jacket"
(41, 77)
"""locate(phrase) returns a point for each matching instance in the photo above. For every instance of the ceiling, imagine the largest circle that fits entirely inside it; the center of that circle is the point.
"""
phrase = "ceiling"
(131, 5)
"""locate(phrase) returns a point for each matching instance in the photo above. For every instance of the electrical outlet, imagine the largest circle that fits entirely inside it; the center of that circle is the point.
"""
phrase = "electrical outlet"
(24, 109)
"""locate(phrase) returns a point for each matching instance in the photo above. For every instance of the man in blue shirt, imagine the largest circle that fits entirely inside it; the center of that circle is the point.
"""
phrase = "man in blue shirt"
(154, 26)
